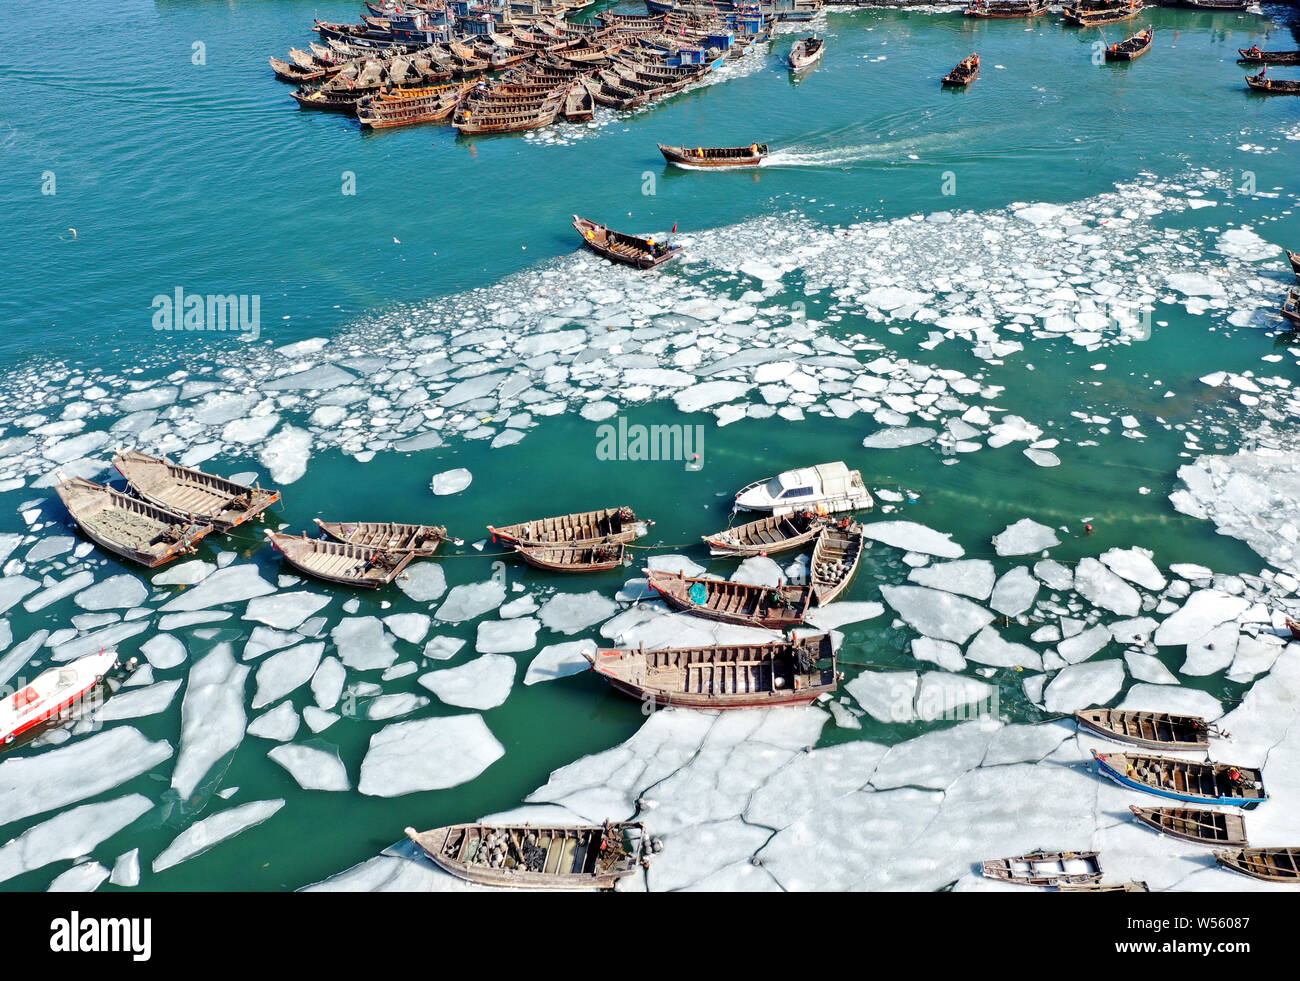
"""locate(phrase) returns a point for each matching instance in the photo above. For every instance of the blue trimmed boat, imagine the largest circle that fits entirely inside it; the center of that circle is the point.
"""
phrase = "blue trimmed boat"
(1194, 781)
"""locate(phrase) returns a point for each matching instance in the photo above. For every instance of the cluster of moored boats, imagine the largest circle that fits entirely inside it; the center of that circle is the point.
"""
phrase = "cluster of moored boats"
(1146, 768)
(167, 508)
(1096, 13)
(518, 67)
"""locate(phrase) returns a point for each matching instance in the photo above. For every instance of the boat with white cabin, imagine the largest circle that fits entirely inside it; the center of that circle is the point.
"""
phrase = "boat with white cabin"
(826, 487)
(52, 693)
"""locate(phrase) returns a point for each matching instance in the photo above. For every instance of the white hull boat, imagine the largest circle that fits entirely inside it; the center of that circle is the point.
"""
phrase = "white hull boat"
(52, 693)
(825, 488)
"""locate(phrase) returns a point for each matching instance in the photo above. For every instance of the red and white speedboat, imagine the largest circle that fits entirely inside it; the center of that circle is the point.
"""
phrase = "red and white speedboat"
(52, 692)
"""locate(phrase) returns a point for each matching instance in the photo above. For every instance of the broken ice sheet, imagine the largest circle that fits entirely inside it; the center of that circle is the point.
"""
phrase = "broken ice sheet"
(483, 683)
(427, 754)
(214, 829)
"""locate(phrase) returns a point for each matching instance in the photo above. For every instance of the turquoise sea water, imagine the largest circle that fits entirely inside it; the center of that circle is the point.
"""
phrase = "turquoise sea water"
(208, 177)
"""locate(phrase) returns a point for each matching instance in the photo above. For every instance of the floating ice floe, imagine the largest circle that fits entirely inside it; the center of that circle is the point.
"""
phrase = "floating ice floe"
(913, 537)
(362, 643)
(506, 636)
(1024, 537)
(472, 600)
(427, 754)
(451, 481)
(285, 671)
(211, 831)
(70, 834)
(483, 683)
(559, 661)
(942, 616)
(280, 723)
(83, 768)
(212, 717)
(312, 767)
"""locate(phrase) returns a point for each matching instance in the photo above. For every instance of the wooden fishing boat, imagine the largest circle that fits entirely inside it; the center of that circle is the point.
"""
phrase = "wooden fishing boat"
(1276, 86)
(197, 495)
(1045, 868)
(835, 559)
(423, 540)
(314, 97)
(807, 51)
(1200, 826)
(766, 536)
(1135, 886)
(631, 250)
(1256, 56)
(1294, 259)
(407, 107)
(1294, 627)
(1269, 864)
(340, 562)
(1093, 16)
(619, 525)
(525, 857)
(1291, 305)
(1194, 781)
(723, 677)
(579, 105)
(127, 526)
(570, 558)
(288, 72)
(1132, 49)
(470, 121)
(773, 607)
(1150, 730)
(715, 157)
(1007, 10)
(967, 70)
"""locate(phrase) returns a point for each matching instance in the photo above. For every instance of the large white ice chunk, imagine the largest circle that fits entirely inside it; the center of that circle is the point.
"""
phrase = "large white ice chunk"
(313, 768)
(210, 831)
(483, 683)
(1023, 537)
(1082, 686)
(913, 537)
(936, 614)
(427, 754)
(212, 716)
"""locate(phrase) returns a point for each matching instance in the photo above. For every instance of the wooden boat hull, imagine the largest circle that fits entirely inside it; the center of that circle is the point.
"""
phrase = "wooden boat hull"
(685, 158)
(1150, 730)
(766, 536)
(1117, 766)
(1291, 306)
(1005, 11)
(192, 493)
(560, 558)
(1083, 18)
(1274, 86)
(576, 849)
(422, 540)
(105, 516)
(835, 561)
(1136, 886)
(618, 525)
(1132, 49)
(1269, 57)
(1294, 259)
(964, 73)
(617, 247)
(1199, 826)
(721, 676)
(1269, 864)
(1045, 869)
(806, 53)
(339, 562)
(775, 608)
